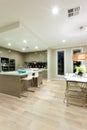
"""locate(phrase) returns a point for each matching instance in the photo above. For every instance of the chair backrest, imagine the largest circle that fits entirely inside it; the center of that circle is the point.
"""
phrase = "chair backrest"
(74, 86)
(29, 74)
(35, 74)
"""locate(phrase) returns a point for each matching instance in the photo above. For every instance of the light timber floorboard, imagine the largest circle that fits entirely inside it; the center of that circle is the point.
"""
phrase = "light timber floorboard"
(42, 110)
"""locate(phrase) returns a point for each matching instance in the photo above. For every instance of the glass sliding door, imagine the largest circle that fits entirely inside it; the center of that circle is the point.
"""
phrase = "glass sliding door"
(60, 62)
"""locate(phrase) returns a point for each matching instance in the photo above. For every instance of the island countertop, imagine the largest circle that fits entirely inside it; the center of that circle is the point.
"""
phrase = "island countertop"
(13, 73)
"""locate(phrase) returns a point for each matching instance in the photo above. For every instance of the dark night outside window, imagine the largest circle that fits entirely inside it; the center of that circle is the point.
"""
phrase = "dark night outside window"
(75, 62)
(60, 60)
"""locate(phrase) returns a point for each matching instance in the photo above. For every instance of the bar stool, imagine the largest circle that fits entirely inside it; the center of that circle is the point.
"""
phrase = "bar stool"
(28, 82)
(35, 77)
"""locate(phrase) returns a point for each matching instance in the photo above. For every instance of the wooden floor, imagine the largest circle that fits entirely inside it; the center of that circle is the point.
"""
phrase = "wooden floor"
(42, 110)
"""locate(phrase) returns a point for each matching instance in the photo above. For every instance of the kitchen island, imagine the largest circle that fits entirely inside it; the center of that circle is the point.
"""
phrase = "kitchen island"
(10, 83)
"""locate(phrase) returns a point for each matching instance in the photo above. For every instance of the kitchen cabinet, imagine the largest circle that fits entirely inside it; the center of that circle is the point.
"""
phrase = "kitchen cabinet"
(7, 64)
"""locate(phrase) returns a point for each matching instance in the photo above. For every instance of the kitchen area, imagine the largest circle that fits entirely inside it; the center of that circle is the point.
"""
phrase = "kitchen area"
(14, 66)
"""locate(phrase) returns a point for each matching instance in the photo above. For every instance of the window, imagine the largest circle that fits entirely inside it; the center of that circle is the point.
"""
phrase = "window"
(75, 62)
(60, 63)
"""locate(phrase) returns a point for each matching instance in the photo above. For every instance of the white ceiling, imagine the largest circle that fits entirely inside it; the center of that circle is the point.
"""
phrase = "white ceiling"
(40, 27)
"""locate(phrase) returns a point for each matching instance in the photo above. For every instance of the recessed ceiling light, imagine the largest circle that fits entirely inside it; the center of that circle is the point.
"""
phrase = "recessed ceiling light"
(9, 44)
(36, 47)
(63, 41)
(23, 49)
(25, 41)
(55, 10)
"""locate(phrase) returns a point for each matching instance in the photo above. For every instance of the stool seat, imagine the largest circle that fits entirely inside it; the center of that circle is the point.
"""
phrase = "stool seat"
(36, 75)
(27, 78)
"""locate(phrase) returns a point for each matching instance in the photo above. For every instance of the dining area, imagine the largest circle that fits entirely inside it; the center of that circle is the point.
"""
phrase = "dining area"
(76, 83)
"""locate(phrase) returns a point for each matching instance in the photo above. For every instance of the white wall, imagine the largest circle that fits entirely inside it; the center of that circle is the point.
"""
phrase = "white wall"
(52, 62)
(19, 59)
(36, 56)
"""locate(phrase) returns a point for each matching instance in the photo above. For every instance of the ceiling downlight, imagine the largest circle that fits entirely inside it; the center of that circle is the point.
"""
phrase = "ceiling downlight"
(55, 10)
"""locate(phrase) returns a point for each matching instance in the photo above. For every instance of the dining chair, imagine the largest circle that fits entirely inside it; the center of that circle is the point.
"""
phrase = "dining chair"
(74, 94)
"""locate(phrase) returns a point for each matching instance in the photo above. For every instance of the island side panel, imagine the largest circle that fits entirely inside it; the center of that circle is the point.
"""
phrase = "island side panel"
(10, 84)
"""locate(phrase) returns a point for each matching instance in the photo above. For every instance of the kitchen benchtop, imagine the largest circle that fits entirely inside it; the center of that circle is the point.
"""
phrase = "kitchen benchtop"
(15, 73)
(76, 78)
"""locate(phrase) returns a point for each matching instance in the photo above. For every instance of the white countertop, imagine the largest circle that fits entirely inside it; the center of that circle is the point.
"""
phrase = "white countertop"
(15, 73)
(74, 78)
